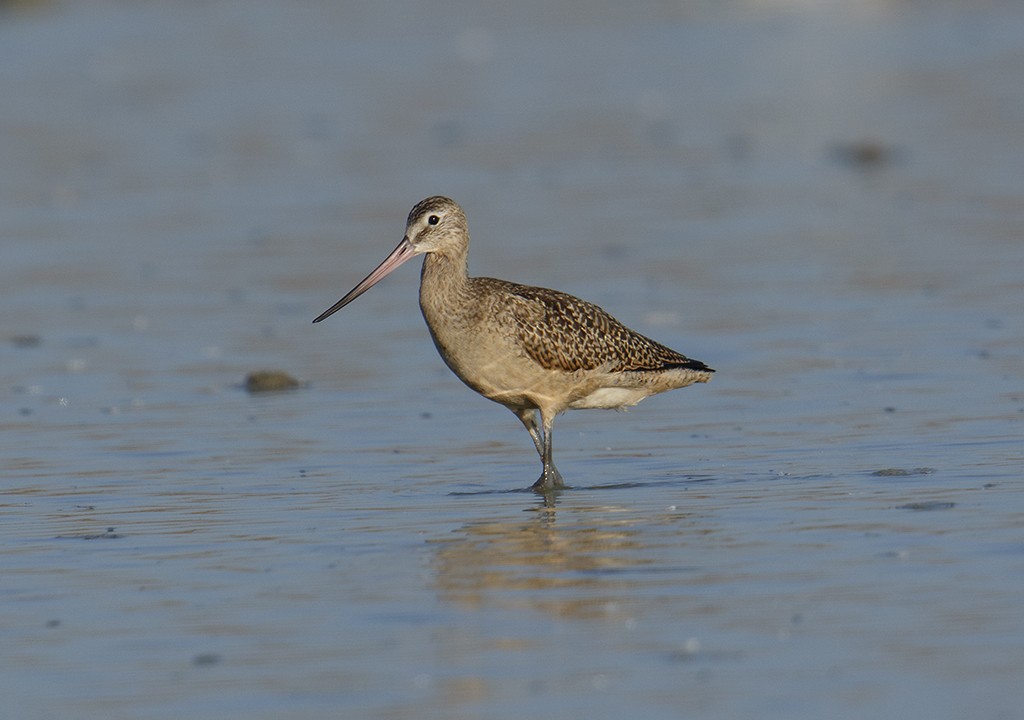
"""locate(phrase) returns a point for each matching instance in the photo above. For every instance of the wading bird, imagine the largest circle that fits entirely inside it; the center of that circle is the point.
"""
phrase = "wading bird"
(527, 348)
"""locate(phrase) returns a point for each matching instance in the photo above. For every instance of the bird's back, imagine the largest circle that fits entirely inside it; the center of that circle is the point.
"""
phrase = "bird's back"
(562, 332)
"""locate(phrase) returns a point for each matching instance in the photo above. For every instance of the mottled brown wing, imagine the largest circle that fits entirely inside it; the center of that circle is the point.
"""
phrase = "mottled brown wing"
(562, 332)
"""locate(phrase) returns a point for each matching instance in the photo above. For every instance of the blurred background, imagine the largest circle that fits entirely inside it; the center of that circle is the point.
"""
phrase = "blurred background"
(822, 200)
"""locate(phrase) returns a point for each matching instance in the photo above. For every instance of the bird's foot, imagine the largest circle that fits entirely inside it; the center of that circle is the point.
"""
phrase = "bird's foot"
(549, 480)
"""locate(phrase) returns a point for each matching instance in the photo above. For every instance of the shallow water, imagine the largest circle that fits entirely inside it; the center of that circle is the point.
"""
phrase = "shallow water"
(822, 203)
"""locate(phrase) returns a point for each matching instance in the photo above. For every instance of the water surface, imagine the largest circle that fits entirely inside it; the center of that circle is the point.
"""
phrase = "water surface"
(823, 203)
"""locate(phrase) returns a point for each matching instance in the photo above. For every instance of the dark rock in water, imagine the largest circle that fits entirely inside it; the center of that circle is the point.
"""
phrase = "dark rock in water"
(108, 535)
(864, 154)
(26, 341)
(206, 659)
(269, 381)
(927, 505)
(902, 472)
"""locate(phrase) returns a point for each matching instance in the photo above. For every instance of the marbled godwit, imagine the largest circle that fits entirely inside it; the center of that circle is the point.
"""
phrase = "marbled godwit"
(527, 348)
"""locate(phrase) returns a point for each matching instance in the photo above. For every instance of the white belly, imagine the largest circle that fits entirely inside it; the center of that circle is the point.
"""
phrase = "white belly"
(611, 398)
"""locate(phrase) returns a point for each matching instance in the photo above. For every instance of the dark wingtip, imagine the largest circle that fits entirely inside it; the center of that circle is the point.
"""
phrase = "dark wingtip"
(693, 365)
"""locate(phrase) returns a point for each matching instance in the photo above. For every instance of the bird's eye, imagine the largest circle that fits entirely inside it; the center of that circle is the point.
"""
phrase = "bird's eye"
(433, 219)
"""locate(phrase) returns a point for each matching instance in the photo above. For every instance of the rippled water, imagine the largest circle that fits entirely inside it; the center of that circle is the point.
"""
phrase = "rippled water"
(823, 203)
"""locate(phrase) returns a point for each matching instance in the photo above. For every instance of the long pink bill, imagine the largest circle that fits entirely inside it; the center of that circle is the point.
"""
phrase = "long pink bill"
(398, 256)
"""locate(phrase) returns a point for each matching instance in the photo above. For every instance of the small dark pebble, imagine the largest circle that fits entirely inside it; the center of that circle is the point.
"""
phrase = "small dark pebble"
(902, 472)
(26, 341)
(108, 535)
(269, 381)
(927, 505)
(864, 153)
(206, 659)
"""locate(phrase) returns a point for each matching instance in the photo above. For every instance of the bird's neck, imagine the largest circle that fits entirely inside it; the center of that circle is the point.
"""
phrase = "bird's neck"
(444, 275)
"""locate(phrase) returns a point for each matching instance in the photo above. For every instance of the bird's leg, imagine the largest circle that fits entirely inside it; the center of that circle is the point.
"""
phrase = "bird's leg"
(528, 416)
(550, 479)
